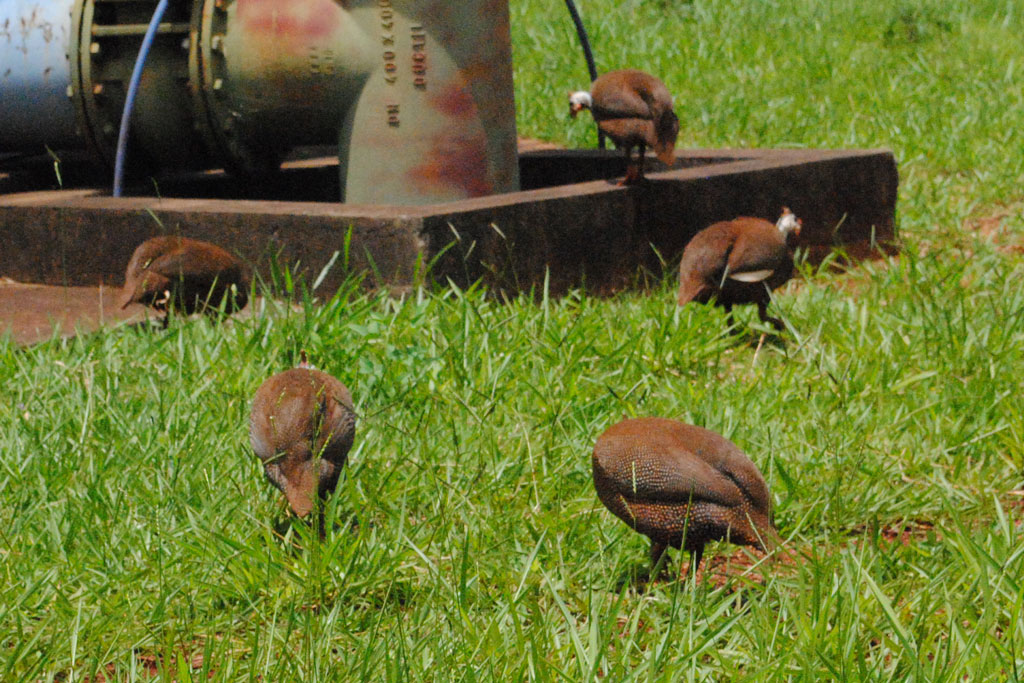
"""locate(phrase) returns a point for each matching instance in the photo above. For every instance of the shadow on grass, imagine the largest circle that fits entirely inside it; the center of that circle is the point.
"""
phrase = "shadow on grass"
(294, 530)
(740, 571)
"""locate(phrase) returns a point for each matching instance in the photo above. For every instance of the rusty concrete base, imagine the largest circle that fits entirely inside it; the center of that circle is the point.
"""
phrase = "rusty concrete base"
(570, 221)
(33, 313)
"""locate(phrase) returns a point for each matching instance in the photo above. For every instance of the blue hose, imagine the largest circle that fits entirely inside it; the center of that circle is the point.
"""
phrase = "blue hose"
(133, 91)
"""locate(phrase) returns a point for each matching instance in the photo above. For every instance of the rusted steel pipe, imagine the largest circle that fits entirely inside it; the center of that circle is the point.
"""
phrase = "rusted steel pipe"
(35, 76)
(416, 94)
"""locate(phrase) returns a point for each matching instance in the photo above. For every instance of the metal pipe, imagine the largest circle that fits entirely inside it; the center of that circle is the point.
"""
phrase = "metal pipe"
(416, 94)
(36, 109)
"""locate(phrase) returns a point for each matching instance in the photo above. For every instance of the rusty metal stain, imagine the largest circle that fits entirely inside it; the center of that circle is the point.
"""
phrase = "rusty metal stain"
(443, 95)
(455, 101)
(454, 162)
(457, 158)
(28, 24)
(297, 23)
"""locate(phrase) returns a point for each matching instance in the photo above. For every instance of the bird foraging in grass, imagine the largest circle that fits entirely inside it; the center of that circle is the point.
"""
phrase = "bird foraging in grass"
(301, 427)
(739, 262)
(634, 109)
(682, 486)
(173, 272)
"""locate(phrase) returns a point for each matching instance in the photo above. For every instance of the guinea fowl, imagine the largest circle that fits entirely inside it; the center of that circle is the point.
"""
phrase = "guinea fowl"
(739, 262)
(186, 275)
(682, 486)
(634, 109)
(302, 427)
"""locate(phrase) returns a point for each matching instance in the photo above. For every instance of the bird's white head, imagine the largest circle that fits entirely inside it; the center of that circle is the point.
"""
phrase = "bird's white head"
(788, 223)
(579, 101)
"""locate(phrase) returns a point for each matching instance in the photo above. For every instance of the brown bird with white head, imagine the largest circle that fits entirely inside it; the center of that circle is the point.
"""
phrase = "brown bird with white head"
(302, 427)
(634, 109)
(739, 262)
(682, 486)
(186, 275)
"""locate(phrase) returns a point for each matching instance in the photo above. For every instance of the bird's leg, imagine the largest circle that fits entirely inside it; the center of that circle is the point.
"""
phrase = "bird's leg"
(631, 169)
(640, 163)
(695, 557)
(657, 552)
(762, 312)
(728, 316)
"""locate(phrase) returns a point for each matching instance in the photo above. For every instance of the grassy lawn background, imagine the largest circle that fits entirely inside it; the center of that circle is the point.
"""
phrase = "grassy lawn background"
(137, 534)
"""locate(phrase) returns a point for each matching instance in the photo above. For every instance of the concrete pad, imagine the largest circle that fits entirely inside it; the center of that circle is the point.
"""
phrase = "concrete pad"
(571, 223)
(31, 313)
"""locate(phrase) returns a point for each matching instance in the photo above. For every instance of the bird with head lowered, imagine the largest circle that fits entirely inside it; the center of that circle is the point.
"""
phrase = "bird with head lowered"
(301, 427)
(739, 262)
(682, 486)
(634, 109)
(186, 275)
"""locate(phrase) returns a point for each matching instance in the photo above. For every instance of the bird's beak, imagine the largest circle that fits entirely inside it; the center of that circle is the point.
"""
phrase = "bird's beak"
(799, 226)
(127, 297)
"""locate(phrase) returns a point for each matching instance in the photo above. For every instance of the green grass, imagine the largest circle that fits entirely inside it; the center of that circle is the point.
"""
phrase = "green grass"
(137, 532)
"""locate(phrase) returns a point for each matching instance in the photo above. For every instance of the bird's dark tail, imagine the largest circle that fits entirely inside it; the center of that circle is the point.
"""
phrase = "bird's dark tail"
(667, 130)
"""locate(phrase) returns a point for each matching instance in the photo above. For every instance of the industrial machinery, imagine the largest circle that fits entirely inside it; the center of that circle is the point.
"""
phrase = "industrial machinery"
(416, 94)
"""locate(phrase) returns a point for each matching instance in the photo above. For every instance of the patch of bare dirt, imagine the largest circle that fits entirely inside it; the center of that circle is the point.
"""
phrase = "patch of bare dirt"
(741, 566)
(903, 532)
(846, 273)
(1014, 502)
(994, 228)
(32, 313)
(626, 629)
(147, 666)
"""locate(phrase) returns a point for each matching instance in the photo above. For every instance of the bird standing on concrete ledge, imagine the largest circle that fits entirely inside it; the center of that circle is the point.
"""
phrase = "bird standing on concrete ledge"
(186, 275)
(634, 109)
(682, 486)
(739, 262)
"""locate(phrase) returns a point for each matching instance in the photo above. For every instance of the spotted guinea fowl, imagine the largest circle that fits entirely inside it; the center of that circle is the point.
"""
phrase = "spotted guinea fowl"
(634, 109)
(302, 427)
(184, 274)
(739, 262)
(682, 486)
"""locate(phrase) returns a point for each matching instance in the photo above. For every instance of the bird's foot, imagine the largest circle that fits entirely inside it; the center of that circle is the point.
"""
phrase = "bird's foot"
(693, 567)
(688, 573)
(657, 556)
(762, 313)
(634, 176)
(734, 329)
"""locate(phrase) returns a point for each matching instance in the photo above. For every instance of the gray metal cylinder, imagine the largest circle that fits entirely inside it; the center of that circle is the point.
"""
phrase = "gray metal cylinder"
(36, 109)
(417, 94)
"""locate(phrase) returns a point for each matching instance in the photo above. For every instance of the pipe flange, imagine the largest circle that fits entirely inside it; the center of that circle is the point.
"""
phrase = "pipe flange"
(242, 152)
